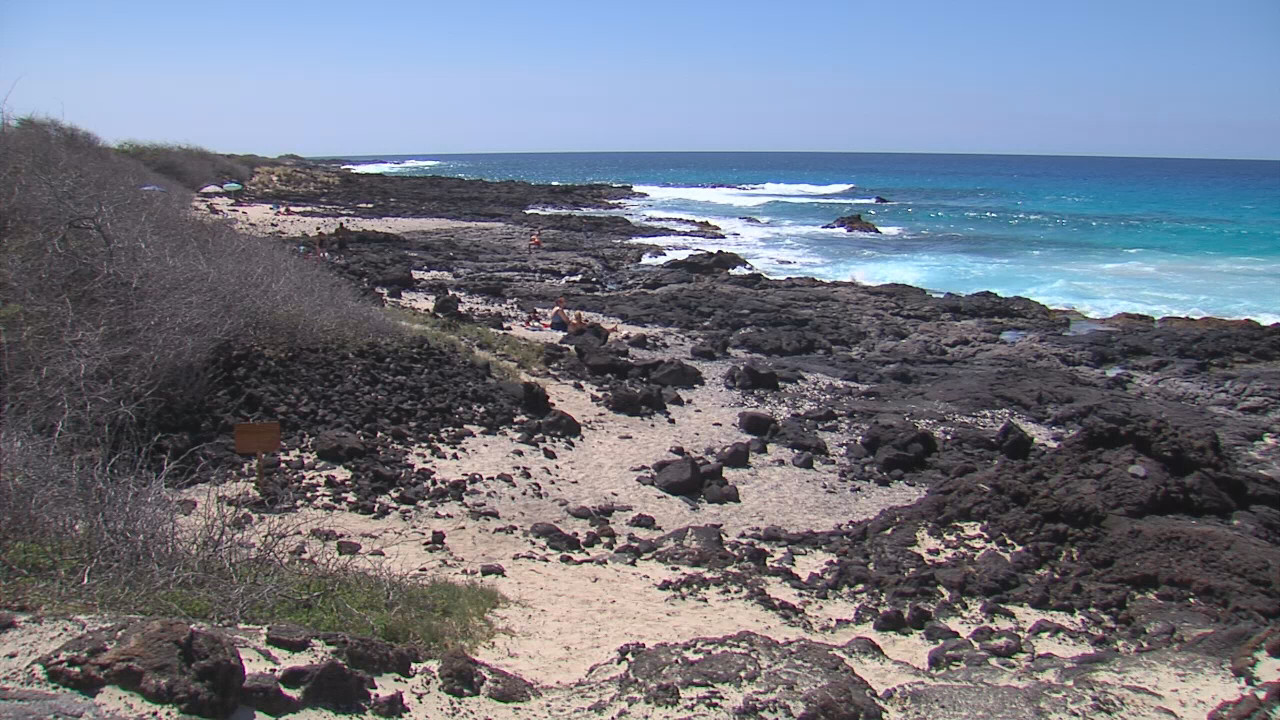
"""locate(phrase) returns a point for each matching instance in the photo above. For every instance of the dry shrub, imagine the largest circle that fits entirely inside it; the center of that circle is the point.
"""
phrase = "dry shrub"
(88, 534)
(114, 296)
(113, 300)
(192, 167)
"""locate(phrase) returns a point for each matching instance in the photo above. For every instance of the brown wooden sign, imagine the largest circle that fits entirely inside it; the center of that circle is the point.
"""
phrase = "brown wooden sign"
(256, 438)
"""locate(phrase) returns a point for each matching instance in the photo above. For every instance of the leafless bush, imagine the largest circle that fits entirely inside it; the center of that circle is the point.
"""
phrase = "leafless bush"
(99, 532)
(72, 520)
(114, 296)
(113, 299)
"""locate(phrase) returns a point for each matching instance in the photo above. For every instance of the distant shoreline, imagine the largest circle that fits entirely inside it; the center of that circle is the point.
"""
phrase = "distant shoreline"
(1088, 236)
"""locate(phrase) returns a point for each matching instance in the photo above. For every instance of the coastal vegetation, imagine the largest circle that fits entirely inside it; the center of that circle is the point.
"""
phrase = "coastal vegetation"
(114, 299)
(192, 167)
(509, 355)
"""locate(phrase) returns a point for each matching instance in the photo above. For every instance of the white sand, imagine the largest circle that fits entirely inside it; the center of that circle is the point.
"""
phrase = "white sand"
(264, 219)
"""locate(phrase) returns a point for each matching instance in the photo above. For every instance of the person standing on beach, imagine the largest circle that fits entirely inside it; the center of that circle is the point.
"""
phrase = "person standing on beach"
(535, 241)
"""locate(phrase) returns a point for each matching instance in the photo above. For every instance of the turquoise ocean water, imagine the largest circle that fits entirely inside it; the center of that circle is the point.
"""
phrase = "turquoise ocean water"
(1096, 234)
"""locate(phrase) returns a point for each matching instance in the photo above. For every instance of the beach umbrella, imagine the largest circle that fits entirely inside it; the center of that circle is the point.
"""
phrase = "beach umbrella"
(232, 187)
(211, 189)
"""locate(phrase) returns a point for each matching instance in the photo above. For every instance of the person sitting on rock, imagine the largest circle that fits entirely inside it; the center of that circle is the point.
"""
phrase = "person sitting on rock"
(560, 316)
(579, 322)
(535, 241)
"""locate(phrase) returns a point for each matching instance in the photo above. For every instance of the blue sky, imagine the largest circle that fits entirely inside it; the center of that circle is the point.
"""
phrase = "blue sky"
(1163, 78)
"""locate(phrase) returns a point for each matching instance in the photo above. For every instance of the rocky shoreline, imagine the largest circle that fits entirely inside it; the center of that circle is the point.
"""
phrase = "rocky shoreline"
(775, 498)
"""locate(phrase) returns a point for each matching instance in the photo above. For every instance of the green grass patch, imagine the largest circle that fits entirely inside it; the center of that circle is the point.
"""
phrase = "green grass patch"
(434, 615)
(512, 353)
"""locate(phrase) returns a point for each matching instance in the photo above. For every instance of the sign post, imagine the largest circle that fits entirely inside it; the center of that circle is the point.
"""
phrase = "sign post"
(257, 439)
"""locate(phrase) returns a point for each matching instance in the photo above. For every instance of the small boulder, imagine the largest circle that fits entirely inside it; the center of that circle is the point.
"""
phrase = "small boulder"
(389, 705)
(642, 521)
(751, 377)
(956, 651)
(285, 636)
(531, 397)
(448, 306)
(720, 494)
(336, 446)
(1002, 644)
(464, 676)
(377, 657)
(756, 423)
(262, 691)
(335, 686)
(703, 352)
(675, 373)
(679, 477)
(891, 620)
(736, 455)
(560, 424)
(1013, 441)
(555, 538)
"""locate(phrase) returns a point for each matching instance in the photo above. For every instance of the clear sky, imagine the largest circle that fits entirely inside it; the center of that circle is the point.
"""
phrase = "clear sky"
(1115, 77)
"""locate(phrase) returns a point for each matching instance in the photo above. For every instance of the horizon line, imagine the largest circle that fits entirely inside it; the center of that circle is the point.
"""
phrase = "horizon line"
(787, 152)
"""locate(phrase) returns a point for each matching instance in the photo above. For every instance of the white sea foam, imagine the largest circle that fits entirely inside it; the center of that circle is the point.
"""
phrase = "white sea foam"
(391, 167)
(753, 195)
(667, 255)
(767, 249)
(1096, 281)
(797, 188)
(552, 211)
(882, 273)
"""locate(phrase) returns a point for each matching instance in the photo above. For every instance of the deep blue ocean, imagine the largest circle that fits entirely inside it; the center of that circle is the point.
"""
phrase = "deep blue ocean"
(1100, 235)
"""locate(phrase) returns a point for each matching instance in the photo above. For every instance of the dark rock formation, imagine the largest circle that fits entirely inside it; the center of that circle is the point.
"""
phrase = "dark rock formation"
(799, 679)
(697, 546)
(718, 262)
(392, 705)
(165, 661)
(289, 637)
(331, 685)
(463, 676)
(262, 691)
(555, 538)
(853, 223)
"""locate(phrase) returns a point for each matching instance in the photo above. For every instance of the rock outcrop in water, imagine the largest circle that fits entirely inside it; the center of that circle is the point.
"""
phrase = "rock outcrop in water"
(853, 223)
